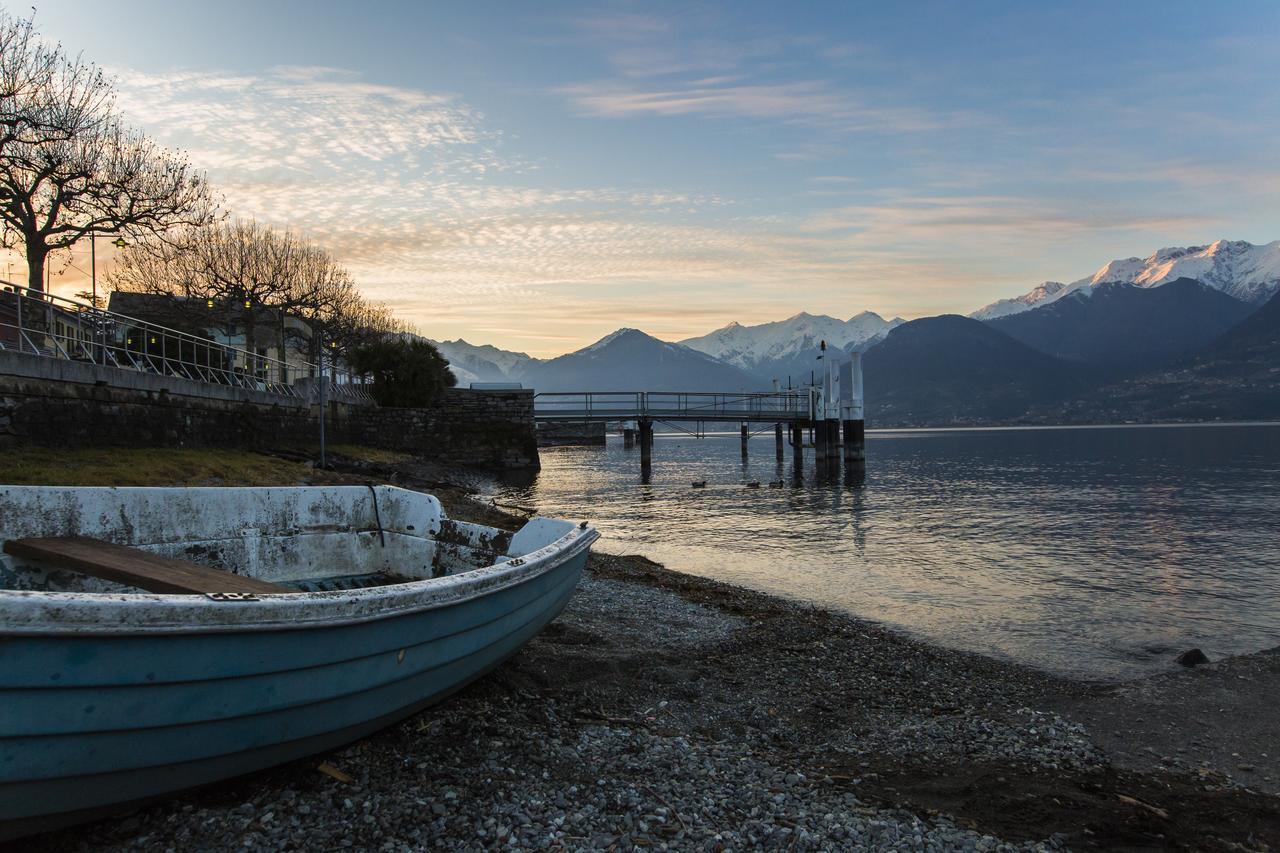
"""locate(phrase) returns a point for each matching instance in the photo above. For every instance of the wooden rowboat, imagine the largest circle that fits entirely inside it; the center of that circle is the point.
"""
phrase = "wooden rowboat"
(240, 628)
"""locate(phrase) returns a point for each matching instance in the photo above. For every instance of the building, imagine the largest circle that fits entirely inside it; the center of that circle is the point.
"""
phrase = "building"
(263, 338)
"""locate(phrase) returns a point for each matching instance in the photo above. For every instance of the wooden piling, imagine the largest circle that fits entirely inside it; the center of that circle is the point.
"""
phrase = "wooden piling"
(797, 444)
(628, 438)
(779, 450)
(745, 437)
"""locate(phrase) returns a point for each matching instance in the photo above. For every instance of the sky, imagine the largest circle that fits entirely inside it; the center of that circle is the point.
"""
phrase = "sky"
(536, 175)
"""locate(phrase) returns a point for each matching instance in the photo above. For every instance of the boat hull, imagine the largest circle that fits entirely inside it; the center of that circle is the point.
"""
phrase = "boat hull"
(92, 722)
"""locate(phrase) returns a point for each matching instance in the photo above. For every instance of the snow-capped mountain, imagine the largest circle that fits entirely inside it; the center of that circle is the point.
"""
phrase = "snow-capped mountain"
(1236, 267)
(471, 363)
(1121, 327)
(753, 347)
(1042, 295)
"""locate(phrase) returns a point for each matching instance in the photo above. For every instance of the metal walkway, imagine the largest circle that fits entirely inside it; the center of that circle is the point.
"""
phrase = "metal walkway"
(795, 407)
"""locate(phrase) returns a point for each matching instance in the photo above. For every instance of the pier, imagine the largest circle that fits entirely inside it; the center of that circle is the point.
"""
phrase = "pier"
(831, 410)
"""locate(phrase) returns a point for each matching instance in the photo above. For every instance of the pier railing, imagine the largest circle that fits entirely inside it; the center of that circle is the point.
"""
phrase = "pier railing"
(773, 406)
(51, 326)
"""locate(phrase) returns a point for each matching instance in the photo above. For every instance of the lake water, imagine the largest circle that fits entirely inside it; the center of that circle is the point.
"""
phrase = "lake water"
(1097, 552)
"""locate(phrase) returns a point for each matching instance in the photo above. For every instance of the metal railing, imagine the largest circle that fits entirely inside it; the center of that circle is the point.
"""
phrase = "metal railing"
(793, 405)
(44, 324)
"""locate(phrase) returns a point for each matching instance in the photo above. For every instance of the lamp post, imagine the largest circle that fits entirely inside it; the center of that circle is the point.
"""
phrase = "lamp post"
(324, 387)
(118, 242)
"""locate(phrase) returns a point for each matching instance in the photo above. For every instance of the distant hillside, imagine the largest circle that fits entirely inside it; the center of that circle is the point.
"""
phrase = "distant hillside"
(1122, 327)
(1236, 377)
(630, 360)
(954, 370)
(486, 363)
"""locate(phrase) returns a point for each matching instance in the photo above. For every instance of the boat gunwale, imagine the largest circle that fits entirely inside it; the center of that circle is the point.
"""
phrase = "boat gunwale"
(63, 614)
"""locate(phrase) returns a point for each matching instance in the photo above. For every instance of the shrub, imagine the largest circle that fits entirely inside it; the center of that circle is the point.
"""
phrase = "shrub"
(406, 373)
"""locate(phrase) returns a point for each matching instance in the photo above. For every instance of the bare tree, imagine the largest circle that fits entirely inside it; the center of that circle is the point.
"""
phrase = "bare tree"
(233, 267)
(360, 325)
(262, 276)
(69, 167)
(43, 95)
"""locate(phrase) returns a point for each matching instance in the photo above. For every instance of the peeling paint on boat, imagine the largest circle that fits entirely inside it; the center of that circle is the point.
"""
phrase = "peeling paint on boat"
(208, 688)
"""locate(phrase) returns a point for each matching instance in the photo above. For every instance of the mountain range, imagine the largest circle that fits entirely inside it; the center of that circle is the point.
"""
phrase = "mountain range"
(1128, 342)
(485, 363)
(1121, 327)
(1236, 267)
(790, 347)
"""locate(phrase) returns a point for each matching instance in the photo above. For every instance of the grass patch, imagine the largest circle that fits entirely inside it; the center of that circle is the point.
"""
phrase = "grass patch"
(368, 454)
(41, 466)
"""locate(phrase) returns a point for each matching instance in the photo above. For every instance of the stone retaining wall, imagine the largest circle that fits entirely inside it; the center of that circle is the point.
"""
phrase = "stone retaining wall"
(489, 429)
(43, 404)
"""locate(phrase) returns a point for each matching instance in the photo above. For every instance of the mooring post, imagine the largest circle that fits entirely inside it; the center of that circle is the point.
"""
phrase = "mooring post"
(745, 436)
(646, 441)
(779, 450)
(628, 437)
(797, 444)
(854, 441)
(833, 442)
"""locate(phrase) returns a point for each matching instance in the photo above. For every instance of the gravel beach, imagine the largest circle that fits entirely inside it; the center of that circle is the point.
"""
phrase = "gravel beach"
(667, 711)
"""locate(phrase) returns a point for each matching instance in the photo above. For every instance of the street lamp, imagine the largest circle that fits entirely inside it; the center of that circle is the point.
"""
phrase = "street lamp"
(118, 242)
(99, 325)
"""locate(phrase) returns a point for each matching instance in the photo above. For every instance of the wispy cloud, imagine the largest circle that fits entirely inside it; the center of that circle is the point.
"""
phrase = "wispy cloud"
(413, 190)
(1007, 219)
(813, 102)
(294, 120)
(686, 66)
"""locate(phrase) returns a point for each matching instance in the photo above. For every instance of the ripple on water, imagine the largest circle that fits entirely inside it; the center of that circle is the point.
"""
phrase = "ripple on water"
(1099, 553)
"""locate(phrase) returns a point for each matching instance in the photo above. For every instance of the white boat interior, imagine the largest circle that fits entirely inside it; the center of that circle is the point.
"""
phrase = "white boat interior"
(306, 538)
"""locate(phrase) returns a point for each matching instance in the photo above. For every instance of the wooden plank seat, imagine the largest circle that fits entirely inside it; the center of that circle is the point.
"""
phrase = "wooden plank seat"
(134, 567)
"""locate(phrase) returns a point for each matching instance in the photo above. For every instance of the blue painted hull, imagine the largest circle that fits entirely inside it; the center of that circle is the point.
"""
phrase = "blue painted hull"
(91, 723)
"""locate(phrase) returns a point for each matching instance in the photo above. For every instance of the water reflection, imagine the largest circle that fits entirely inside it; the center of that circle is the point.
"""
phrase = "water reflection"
(1096, 552)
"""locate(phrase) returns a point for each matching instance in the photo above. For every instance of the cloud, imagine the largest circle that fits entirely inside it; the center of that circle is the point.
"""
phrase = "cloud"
(684, 65)
(410, 190)
(294, 120)
(813, 102)
(964, 218)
